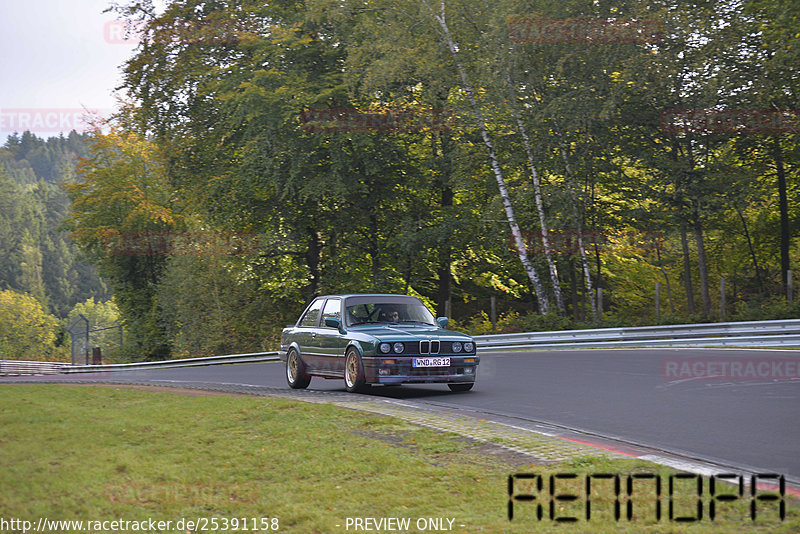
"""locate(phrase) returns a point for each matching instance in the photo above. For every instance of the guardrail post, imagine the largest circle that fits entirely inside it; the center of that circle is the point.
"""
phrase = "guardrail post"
(722, 298)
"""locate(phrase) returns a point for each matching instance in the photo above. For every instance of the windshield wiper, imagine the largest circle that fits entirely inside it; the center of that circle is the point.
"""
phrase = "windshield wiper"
(417, 322)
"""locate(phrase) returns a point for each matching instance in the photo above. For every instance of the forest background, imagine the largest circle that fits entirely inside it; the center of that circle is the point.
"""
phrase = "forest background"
(569, 161)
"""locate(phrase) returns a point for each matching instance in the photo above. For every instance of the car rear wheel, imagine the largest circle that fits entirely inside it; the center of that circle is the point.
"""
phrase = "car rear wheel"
(296, 375)
(354, 380)
(460, 387)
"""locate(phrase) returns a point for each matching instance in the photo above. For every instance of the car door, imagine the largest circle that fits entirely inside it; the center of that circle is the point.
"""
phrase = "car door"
(307, 328)
(331, 343)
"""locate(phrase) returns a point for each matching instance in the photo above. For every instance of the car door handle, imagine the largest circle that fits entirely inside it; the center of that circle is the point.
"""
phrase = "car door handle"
(313, 334)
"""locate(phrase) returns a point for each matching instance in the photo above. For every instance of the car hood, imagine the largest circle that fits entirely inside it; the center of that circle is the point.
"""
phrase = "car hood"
(401, 332)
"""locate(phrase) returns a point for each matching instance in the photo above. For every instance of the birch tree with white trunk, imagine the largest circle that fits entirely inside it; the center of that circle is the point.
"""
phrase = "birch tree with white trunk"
(537, 194)
(447, 39)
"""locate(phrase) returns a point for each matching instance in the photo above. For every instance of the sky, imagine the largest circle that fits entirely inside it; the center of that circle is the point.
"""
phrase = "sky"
(57, 59)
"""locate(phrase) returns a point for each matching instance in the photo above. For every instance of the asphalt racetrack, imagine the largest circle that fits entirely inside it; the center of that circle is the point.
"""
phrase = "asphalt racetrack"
(745, 416)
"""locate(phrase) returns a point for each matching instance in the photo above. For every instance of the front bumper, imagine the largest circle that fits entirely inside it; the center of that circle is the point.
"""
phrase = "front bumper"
(377, 370)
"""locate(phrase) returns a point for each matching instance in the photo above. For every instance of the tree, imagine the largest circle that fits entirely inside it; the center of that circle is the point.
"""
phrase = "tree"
(27, 331)
(563, 137)
(776, 30)
(15, 213)
(122, 207)
(39, 258)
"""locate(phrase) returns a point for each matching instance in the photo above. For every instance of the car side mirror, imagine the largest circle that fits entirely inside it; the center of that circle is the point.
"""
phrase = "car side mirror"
(333, 322)
(443, 321)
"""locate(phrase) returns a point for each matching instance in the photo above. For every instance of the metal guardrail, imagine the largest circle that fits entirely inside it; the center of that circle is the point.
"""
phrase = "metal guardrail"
(166, 364)
(27, 368)
(783, 333)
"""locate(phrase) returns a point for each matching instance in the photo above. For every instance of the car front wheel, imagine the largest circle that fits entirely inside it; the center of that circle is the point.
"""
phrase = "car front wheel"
(296, 375)
(354, 380)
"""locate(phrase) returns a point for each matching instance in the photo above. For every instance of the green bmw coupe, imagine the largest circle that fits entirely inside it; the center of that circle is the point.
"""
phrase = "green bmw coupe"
(376, 339)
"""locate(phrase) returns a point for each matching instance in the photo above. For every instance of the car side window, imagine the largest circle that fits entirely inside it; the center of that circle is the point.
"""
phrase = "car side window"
(311, 317)
(333, 308)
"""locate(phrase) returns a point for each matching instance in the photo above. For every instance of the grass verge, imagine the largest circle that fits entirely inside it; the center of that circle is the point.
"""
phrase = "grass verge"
(104, 453)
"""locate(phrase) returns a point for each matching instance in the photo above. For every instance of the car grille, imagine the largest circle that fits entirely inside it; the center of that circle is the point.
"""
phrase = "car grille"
(430, 347)
(426, 347)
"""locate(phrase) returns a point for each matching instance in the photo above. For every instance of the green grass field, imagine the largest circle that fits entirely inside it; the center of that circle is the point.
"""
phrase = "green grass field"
(107, 453)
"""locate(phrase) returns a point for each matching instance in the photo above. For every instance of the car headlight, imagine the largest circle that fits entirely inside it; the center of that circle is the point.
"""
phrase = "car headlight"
(385, 347)
(456, 346)
(398, 348)
(469, 346)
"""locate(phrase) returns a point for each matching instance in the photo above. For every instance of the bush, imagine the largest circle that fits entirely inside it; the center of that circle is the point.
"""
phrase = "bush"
(771, 309)
(513, 322)
(27, 332)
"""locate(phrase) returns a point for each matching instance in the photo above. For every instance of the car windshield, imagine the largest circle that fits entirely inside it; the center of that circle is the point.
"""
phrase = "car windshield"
(393, 310)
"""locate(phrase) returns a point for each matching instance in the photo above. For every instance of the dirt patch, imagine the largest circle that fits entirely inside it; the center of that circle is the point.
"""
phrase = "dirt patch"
(473, 452)
(507, 456)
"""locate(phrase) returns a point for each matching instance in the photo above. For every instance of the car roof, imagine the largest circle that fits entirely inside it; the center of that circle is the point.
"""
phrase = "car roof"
(347, 295)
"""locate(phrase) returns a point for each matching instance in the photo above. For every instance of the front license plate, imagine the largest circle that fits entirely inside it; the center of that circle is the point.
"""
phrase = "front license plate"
(431, 362)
